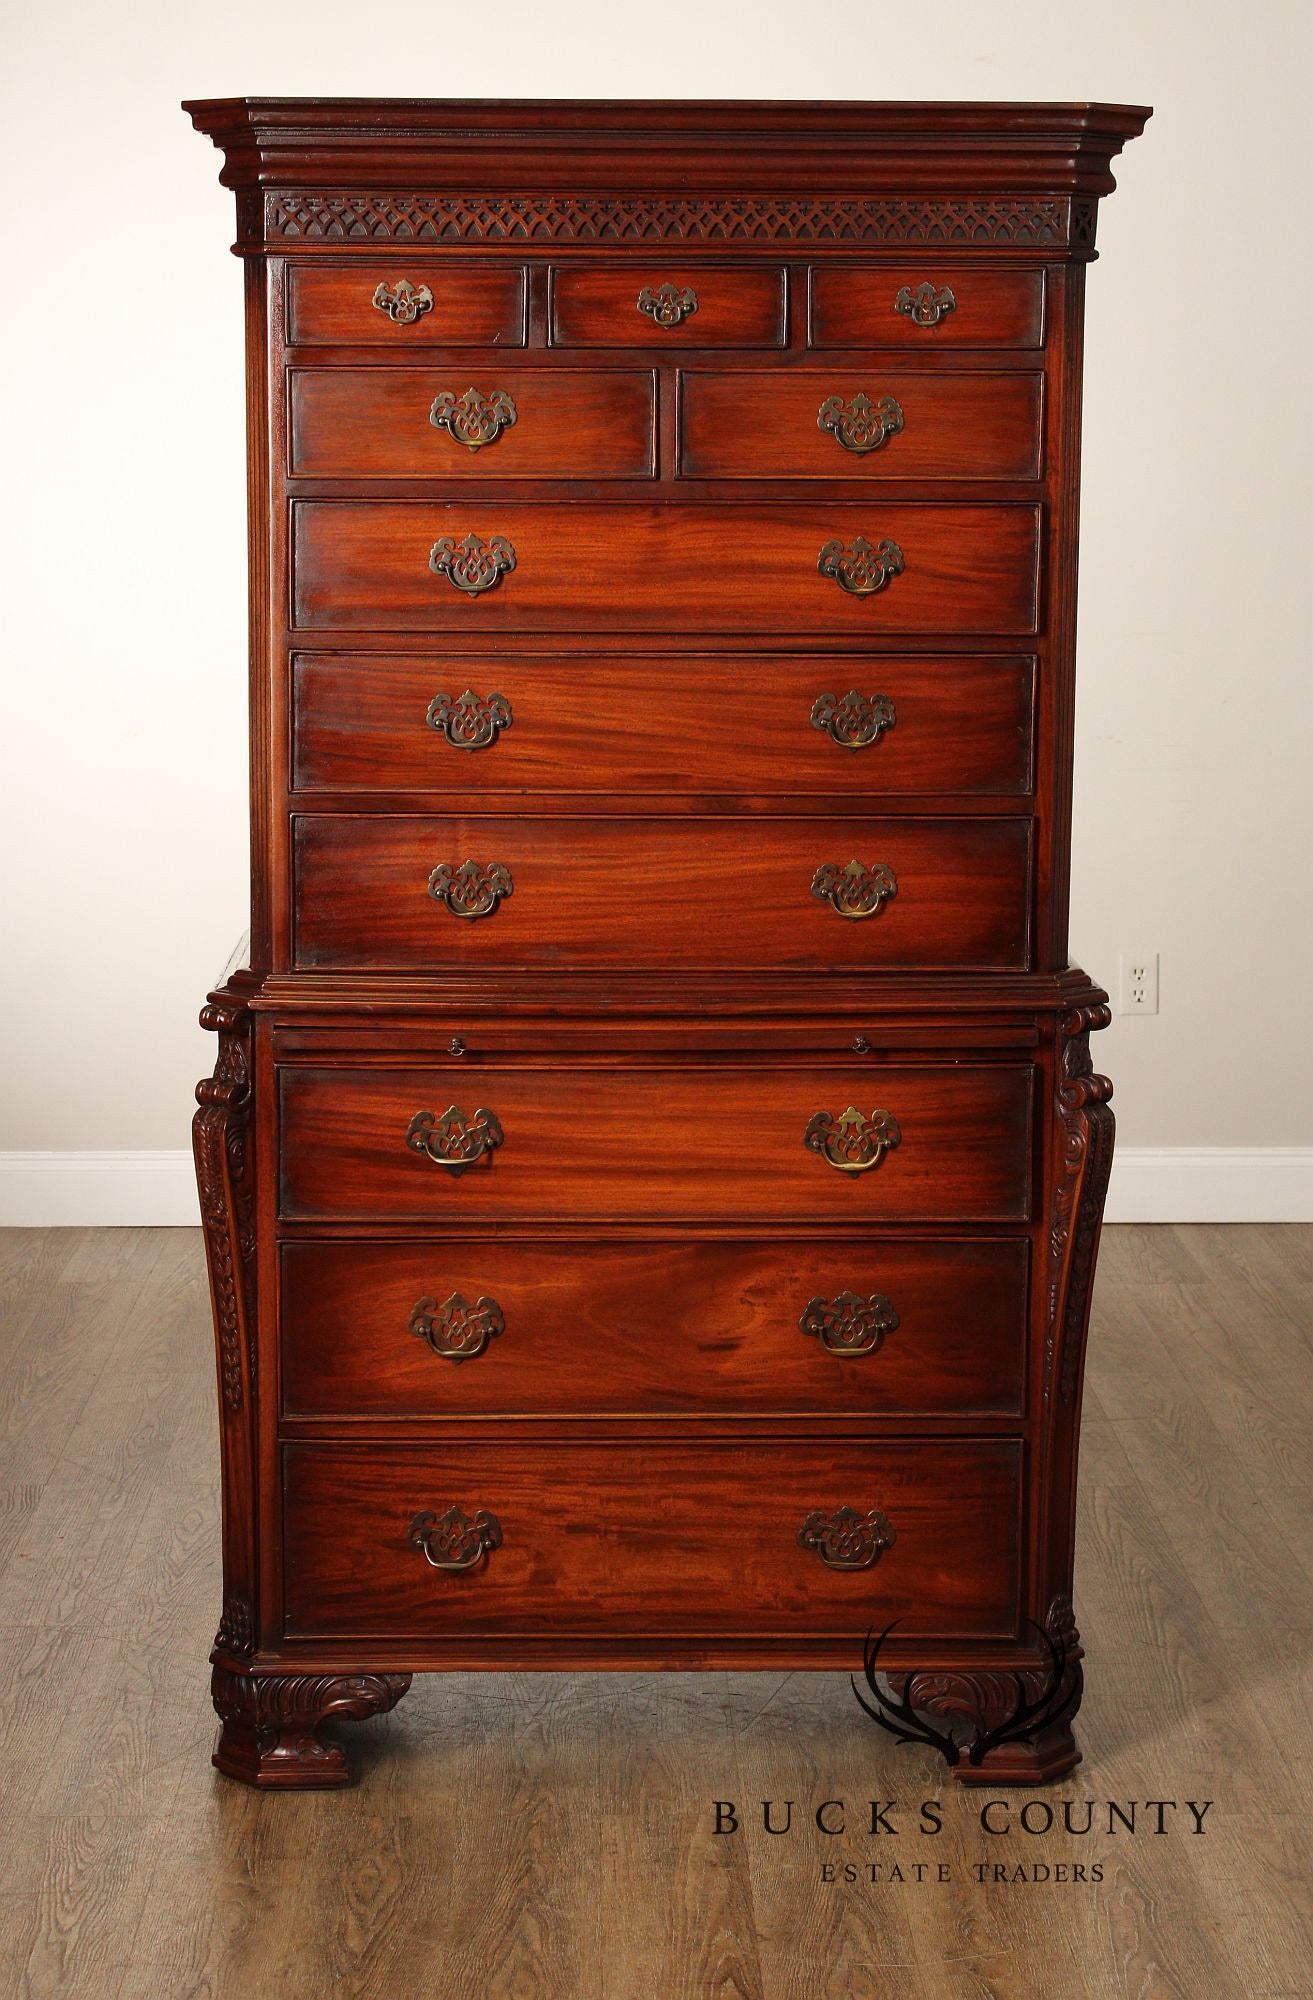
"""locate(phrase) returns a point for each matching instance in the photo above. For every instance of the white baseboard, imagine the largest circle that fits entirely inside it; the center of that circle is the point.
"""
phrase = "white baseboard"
(1149, 1184)
(98, 1190)
(1211, 1184)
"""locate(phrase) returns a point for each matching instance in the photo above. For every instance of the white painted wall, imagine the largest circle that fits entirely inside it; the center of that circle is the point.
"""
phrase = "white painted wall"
(122, 534)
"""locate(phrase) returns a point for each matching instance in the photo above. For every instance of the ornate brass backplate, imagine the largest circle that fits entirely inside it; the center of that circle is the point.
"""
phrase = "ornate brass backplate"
(845, 1539)
(457, 1330)
(469, 721)
(859, 424)
(403, 302)
(852, 1143)
(668, 305)
(473, 419)
(472, 890)
(860, 568)
(472, 565)
(855, 891)
(849, 1324)
(451, 1540)
(454, 1141)
(854, 721)
(924, 304)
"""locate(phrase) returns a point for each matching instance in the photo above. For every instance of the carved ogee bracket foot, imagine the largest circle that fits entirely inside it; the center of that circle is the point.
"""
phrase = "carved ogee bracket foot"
(271, 1733)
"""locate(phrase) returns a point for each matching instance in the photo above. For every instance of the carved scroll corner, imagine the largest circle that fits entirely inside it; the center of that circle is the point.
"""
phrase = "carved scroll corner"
(225, 1185)
(1085, 1129)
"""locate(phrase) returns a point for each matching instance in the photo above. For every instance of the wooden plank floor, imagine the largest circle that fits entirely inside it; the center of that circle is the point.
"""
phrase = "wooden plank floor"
(549, 1835)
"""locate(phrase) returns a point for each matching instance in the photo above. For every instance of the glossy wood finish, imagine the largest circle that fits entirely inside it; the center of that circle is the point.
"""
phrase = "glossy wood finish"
(747, 569)
(854, 306)
(1190, 1588)
(375, 423)
(715, 1142)
(480, 306)
(629, 892)
(675, 724)
(682, 1542)
(641, 1328)
(737, 306)
(654, 684)
(751, 424)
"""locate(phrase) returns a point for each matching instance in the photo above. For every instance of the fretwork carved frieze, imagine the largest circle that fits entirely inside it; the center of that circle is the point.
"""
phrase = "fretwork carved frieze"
(1056, 223)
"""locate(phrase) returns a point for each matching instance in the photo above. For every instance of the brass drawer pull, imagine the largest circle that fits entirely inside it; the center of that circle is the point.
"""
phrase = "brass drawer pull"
(403, 302)
(472, 890)
(923, 304)
(849, 1324)
(454, 1141)
(469, 721)
(457, 1330)
(452, 1540)
(854, 721)
(473, 419)
(855, 891)
(860, 425)
(845, 1539)
(472, 565)
(850, 1142)
(668, 305)
(859, 568)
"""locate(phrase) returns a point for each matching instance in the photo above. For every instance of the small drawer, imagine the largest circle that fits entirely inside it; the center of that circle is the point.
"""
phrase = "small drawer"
(473, 892)
(925, 306)
(880, 726)
(843, 1141)
(485, 421)
(859, 421)
(469, 1328)
(687, 1540)
(851, 570)
(668, 305)
(407, 302)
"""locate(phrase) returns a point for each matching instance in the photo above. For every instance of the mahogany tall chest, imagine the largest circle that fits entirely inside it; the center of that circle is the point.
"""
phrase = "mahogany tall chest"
(653, 1168)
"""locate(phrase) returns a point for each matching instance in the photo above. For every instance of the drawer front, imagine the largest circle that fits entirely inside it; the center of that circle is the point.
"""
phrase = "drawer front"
(925, 306)
(926, 1143)
(684, 1540)
(664, 305)
(674, 723)
(739, 569)
(406, 302)
(478, 891)
(485, 421)
(466, 1328)
(860, 421)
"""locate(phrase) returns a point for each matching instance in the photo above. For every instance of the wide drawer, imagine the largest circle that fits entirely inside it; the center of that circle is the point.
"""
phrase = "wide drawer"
(668, 305)
(467, 1328)
(511, 423)
(406, 302)
(494, 566)
(859, 421)
(838, 1142)
(667, 723)
(926, 305)
(478, 891)
(684, 1540)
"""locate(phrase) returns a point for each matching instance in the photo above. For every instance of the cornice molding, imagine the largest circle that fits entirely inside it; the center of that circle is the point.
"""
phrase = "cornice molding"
(1020, 176)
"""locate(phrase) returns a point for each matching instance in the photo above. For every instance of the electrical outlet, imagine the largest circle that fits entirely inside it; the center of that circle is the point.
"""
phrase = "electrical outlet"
(1139, 982)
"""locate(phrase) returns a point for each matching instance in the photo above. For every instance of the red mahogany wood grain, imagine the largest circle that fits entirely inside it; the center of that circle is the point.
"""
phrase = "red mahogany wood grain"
(689, 1142)
(749, 569)
(631, 892)
(678, 1329)
(682, 1539)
